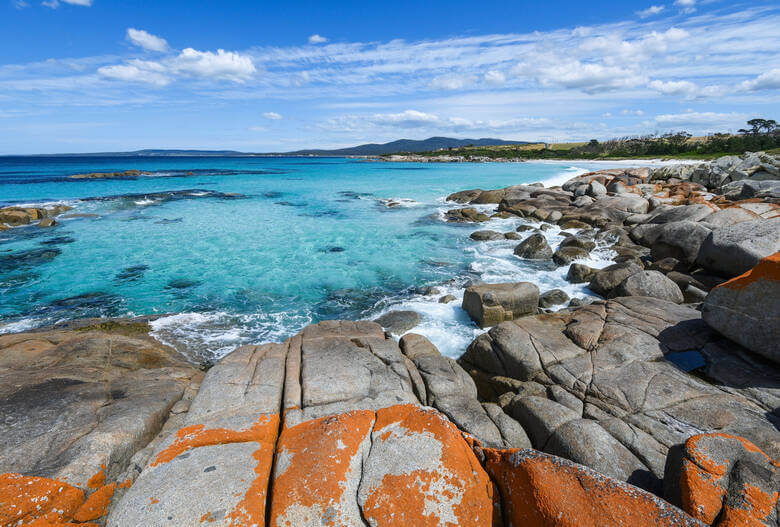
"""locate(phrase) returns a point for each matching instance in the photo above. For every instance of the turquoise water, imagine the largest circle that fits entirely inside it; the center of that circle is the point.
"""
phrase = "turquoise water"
(252, 249)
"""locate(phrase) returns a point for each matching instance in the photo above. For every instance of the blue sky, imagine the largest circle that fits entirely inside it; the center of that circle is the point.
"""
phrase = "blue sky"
(103, 75)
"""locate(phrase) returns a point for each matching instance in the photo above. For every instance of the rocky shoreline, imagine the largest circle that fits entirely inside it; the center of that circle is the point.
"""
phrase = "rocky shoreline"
(656, 404)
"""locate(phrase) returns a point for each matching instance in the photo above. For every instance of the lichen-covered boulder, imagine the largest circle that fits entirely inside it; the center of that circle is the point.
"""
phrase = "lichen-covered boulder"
(746, 309)
(539, 489)
(724, 481)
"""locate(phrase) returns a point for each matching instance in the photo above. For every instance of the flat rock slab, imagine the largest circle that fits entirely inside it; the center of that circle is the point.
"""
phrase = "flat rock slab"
(76, 400)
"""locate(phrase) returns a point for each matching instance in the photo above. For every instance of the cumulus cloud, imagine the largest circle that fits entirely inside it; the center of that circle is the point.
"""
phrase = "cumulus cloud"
(222, 65)
(317, 39)
(650, 11)
(273, 116)
(766, 81)
(145, 40)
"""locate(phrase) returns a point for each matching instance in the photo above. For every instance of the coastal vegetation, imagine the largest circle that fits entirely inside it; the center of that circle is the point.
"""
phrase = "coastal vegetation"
(759, 135)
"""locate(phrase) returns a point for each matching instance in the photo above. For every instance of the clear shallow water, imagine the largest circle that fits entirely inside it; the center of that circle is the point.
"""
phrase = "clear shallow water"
(306, 240)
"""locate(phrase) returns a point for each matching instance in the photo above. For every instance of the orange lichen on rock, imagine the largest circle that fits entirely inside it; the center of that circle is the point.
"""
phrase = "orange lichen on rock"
(702, 492)
(539, 490)
(96, 505)
(767, 269)
(251, 509)
(98, 480)
(455, 490)
(757, 508)
(26, 500)
(313, 462)
(196, 436)
(706, 492)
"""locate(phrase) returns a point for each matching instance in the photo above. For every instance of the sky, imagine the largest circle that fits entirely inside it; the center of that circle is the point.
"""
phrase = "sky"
(111, 75)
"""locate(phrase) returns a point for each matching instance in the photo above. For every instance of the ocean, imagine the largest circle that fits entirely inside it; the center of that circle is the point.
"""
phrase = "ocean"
(250, 250)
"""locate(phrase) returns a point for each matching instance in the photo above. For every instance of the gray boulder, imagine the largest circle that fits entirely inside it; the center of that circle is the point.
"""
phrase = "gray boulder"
(483, 236)
(399, 322)
(650, 283)
(733, 250)
(681, 240)
(491, 304)
(535, 247)
(607, 279)
(553, 298)
(579, 273)
(696, 212)
(596, 190)
(747, 309)
(566, 255)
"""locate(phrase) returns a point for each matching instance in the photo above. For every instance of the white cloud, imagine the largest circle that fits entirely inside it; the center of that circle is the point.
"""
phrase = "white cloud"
(674, 87)
(20, 4)
(317, 39)
(589, 77)
(272, 116)
(687, 6)
(220, 65)
(632, 112)
(495, 77)
(137, 71)
(650, 11)
(433, 123)
(145, 40)
(54, 4)
(769, 80)
(713, 119)
(450, 82)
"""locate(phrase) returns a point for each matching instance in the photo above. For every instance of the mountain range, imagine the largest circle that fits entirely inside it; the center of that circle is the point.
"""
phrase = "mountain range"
(369, 149)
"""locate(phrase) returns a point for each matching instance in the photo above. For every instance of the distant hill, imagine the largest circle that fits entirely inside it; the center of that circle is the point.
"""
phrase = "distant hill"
(407, 145)
(371, 149)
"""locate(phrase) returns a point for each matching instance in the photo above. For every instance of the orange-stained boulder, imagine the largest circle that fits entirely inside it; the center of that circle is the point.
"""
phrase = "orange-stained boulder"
(724, 481)
(746, 309)
(539, 490)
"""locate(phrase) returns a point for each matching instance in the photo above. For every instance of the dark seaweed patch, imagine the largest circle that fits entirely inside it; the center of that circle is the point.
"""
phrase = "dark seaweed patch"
(130, 274)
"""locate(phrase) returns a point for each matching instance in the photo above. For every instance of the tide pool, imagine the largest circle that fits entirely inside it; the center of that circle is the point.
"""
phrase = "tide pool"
(250, 250)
